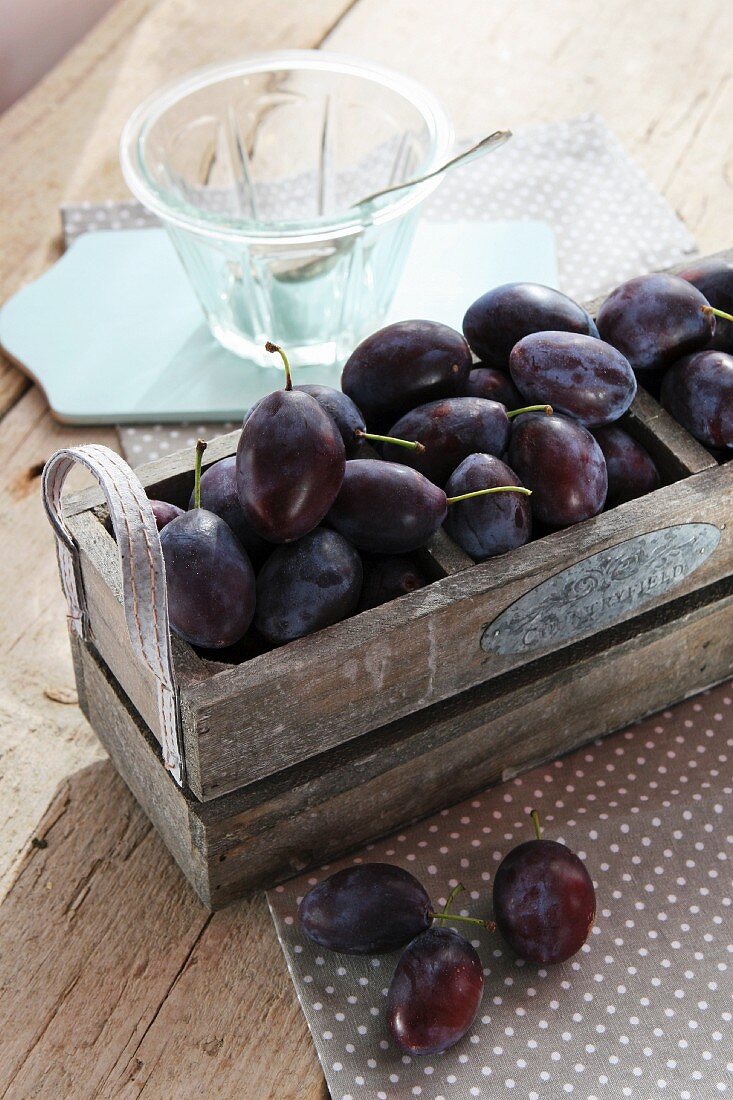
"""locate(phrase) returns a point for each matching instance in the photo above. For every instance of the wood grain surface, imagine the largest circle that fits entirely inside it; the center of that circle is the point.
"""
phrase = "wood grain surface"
(216, 1015)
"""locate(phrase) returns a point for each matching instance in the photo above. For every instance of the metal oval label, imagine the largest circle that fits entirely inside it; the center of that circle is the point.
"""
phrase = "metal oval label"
(601, 590)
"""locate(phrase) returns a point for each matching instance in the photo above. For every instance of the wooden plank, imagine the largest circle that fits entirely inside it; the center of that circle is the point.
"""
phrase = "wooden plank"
(442, 557)
(109, 712)
(559, 60)
(40, 137)
(41, 738)
(116, 980)
(340, 799)
(248, 721)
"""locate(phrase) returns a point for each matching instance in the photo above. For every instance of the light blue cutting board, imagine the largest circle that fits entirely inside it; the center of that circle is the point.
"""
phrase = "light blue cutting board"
(113, 333)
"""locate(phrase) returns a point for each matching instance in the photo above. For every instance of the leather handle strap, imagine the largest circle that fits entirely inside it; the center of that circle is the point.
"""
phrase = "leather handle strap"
(143, 574)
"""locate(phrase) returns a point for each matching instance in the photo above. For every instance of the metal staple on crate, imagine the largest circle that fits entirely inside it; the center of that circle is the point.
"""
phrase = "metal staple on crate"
(143, 574)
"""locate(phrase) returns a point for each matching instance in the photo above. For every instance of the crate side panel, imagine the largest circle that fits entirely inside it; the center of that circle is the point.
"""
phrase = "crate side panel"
(358, 799)
(108, 627)
(103, 591)
(321, 691)
(275, 828)
(134, 755)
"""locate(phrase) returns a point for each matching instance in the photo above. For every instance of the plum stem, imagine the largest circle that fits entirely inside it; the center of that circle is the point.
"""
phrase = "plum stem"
(718, 313)
(457, 889)
(546, 409)
(412, 445)
(279, 351)
(446, 915)
(200, 448)
(495, 489)
(536, 822)
(489, 924)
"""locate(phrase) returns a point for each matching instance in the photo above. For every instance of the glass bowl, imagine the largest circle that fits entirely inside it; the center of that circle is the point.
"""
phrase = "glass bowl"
(253, 168)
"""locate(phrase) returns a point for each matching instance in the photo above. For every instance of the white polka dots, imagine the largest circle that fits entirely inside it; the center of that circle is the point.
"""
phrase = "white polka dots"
(642, 1011)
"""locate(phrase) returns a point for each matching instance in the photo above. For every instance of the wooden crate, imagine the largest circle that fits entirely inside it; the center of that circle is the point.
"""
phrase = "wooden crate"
(300, 753)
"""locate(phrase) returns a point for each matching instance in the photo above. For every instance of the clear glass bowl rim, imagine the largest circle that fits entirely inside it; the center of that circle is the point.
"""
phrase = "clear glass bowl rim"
(187, 216)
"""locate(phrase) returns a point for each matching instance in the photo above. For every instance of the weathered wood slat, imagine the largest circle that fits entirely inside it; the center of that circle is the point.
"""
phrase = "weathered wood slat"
(172, 475)
(337, 800)
(117, 982)
(103, 589)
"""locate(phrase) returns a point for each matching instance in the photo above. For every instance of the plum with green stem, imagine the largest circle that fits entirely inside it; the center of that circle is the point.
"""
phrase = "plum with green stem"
(656, 319)
(370, 908)
(388, 508)
(290, 463)
(451, 430)
(209, 577)
(544, 900)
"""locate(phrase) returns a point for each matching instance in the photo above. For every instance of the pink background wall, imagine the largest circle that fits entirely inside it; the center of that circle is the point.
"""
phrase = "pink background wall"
(35, 34)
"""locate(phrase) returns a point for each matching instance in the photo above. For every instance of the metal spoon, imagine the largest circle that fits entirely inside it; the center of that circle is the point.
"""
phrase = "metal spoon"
(486, 145)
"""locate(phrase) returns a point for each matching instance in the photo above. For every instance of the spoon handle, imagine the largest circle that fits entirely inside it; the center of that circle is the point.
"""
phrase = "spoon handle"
(480, 149)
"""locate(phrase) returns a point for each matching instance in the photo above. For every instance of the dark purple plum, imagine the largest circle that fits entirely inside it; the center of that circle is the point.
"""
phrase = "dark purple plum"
(544, 901)
(365, 909)
(698, 392)
(388, 578)
(435, 992)
(307, 585)
(631, 469)
(290, 463)
(342, 410)
(403, 365)
(655, 319)
(498, 320)
(494, 385)
(487, 525)
(450, 430)
(714, 279)
(219, 495)
(578, 375)
(164, 512)
(387, 508)
(350, 422)
(560, 461)
(209, 578)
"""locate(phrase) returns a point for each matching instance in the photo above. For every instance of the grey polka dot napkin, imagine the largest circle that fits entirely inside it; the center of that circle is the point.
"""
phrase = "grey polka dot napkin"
(609, 221)
(643, 1011)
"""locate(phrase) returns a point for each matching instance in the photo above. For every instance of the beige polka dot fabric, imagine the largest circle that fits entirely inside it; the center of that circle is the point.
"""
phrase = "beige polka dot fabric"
(643, 1011)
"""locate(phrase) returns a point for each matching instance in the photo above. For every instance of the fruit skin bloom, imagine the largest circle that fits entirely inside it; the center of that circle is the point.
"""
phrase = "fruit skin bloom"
(435, 992)
(698, 392)
(365, 909)
(655, 319)
(544, 901)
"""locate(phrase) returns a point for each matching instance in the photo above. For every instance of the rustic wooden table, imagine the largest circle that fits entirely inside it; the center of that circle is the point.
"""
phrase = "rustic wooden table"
(115, 981)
